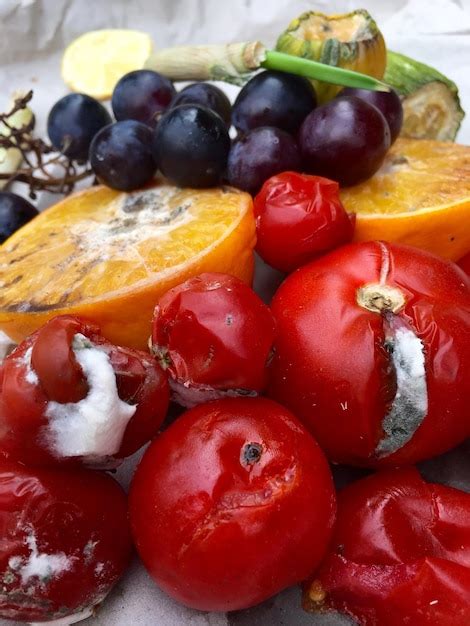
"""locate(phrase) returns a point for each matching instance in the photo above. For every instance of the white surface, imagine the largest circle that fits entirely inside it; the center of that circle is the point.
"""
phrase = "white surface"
(92, 428)
(32, 36)
(38, 565)
(31, 376)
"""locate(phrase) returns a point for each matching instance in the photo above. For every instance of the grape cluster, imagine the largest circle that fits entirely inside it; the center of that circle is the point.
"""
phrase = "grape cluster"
(185, 135)
(281, 128)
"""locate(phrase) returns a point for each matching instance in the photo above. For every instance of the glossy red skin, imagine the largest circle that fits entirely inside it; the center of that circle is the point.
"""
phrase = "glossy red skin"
(216, 534)
(332, 370)
(65, 510)
(465, 264)
(23, 404)
(213, 330)
(299, 218)
(400, 553)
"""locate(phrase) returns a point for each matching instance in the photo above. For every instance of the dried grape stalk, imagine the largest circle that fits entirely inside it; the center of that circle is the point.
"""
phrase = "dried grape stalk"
(19, 145)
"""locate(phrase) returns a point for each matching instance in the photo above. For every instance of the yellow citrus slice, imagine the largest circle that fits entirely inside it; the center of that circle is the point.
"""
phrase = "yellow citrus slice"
(108, 256)
(94, 62)
(420, 197)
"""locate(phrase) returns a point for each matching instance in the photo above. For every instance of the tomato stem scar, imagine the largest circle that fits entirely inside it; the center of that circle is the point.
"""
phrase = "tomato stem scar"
(379, 298)
(251, 453)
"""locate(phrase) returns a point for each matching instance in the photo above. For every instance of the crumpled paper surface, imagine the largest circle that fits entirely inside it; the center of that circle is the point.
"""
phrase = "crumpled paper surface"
(33, 34)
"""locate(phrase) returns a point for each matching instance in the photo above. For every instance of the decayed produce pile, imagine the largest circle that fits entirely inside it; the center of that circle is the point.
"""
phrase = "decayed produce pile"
(336, 163)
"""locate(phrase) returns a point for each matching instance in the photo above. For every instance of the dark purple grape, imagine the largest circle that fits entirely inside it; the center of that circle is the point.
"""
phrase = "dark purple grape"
(260, 154)
(121, 155)
(191, 146)
(142, 95)
(388, 103)
(15, 212)
(73, 122)
(345, 139)
(206, 95)
(276, 99)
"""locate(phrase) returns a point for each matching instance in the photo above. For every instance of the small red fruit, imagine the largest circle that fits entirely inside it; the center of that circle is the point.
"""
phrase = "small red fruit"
(298, 218)
(214, 336)
(373, 353)
(64, 541)
(231, 504)
(400, 554)
(69, 396)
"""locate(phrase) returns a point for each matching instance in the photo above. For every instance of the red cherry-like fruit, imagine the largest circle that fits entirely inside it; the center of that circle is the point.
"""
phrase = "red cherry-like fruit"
(231, 504)
(214, 337)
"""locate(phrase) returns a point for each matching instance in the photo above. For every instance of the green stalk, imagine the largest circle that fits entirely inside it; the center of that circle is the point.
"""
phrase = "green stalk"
(320, 71)
(236, 62)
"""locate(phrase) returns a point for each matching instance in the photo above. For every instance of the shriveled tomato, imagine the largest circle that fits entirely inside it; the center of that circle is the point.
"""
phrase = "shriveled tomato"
(465, 263)
(232, 503)
(69, 396)
(400, 554)
(64, 541)
(373, 353)
(298, 218)
(214, 336)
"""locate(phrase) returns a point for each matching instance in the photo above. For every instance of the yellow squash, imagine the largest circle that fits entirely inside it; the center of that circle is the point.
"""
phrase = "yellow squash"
(352, 41)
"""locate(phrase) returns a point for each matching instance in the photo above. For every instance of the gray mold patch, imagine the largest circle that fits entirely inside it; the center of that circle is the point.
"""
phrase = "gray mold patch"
(410, 405)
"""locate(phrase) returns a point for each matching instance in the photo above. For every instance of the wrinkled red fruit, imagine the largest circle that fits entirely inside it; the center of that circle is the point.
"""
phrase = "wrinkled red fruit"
(64, 541)
(373, 353)
(298, 218)
(56, 410)
(231, 504)
(400, 554)
(214, 336)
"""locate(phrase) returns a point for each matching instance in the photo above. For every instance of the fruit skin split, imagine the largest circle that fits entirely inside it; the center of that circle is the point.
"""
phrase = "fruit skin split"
(335, 365)
(70, 398)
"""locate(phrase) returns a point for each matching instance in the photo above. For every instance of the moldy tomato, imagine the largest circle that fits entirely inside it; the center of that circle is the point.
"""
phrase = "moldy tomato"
(298, 218)
(64, 541)
(70, 396)
(400, 554)
(231, 504)
(373, 353)
(214, 336)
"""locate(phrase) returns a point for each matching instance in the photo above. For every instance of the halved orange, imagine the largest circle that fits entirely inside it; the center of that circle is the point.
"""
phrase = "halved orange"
(108, 256)
(420, 196)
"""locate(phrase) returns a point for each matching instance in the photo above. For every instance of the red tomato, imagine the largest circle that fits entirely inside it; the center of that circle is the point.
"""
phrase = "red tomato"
(214, 336)
(373, 353)
(231, 504)
(400, 554)
(64, 541)
(298, 218)
(465, 263)
(54, 409)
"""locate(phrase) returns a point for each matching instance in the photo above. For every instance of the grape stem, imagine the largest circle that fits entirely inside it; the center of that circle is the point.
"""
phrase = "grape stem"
(38, 157)
(320, 71)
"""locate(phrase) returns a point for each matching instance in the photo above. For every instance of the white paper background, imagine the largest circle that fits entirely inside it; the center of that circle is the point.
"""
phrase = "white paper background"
(33, 34)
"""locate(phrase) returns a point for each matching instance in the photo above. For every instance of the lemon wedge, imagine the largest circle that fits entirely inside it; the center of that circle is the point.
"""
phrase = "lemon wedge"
(94, 62)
